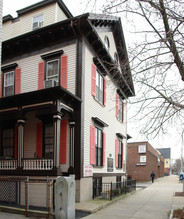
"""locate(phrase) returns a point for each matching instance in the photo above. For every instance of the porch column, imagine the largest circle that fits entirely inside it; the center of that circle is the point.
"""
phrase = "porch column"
(21, 124)
(57, 123)
(72, 133)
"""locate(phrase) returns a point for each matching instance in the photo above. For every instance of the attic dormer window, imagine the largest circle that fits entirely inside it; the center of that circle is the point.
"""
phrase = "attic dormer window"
(37, 21)
(106, 42)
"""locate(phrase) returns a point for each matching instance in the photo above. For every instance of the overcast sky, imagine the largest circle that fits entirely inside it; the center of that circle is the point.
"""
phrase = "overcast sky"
(76, 7)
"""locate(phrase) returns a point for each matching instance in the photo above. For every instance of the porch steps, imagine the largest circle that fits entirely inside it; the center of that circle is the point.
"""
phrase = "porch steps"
(17, 210)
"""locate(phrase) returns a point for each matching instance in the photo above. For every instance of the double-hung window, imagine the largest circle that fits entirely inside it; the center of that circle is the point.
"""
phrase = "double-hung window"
(98, 147)
(7, 147)
(37, 21)
(48, 140)
(9, 83)
(52, 71)
(119, 154)
(119, 108)
(99, 88)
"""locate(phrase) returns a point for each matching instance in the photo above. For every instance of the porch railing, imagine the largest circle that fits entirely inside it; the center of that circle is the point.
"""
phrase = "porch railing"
(37, 164)
(8, 164)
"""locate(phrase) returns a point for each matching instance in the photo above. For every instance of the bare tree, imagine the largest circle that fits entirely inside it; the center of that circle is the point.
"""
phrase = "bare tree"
(177, 166)
(156, 60)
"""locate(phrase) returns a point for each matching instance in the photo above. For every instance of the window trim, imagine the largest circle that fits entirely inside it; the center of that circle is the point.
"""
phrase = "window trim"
(2, 146)
(120, 150)
(97, 148)
(99, 76)
(39, 15)
(10, 85)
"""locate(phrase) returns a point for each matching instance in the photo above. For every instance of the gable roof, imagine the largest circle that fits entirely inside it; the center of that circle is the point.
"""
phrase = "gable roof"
(166, 152)
(37, 6)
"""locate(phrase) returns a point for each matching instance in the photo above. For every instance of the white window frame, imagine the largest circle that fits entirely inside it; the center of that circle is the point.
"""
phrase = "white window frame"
(55, 75)
(99, 87)
(11, 84)
(40, 22)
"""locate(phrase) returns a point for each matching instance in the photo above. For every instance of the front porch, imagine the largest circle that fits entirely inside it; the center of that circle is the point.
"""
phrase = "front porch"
(38, 138)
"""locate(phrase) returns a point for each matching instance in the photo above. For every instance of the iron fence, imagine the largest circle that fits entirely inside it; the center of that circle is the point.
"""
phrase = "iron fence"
(33, 195)
(110, 190)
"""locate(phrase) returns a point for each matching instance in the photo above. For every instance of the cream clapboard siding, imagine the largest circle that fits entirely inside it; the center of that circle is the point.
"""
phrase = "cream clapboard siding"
(29, 69)
(112, 49)
(24, 23)
(59, 14)
(37, 194)
(107, 114)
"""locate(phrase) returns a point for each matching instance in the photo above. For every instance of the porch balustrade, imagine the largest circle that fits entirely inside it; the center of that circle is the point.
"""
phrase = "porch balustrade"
(8, 164)
(37, 164)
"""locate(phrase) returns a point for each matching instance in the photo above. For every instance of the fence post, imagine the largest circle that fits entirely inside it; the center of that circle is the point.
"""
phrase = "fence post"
(111, 192)
(125, 186)
(26, 196)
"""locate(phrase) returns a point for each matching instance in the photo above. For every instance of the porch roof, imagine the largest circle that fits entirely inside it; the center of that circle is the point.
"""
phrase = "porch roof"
(40, 96)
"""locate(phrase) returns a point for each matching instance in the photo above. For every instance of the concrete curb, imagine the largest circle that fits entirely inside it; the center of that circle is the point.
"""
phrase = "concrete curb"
(171, 214)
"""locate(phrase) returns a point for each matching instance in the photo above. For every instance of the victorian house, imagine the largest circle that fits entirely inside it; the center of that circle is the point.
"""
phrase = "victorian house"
(63, 96)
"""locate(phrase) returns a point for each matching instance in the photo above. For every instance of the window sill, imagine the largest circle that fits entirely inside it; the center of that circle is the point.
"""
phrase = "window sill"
(99, 102)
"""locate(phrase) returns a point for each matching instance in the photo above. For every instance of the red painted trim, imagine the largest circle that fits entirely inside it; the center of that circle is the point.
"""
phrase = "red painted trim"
(116, 153)
(93, 81)
(41, 75)
(92, 145)
(16, 142)
(17, 80)
(117, 105)
(105, 82)
(39, 139)
(63, 141)
(104, 148)
(64, 71)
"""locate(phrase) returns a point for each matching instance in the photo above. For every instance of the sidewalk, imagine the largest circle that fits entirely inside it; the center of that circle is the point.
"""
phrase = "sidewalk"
(155, 201)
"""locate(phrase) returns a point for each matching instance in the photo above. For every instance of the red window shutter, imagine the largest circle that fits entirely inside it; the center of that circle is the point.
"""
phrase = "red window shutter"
(63, 141)
(122, 155)
(104, 92)
(41, 75)
(92, 145)
(104, 147)
(93, 81)
(16, 142)
(117, 105)
(64, 71)
(116, 153)
(1, 86)
(17, 80)
(39, 139)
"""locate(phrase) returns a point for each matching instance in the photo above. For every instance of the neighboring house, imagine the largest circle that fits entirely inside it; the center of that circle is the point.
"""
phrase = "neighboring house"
(166, 153)
(63, 97)
(142, 159)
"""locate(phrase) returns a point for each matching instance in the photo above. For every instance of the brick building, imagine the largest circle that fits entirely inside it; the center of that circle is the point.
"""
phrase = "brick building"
(142, 159)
